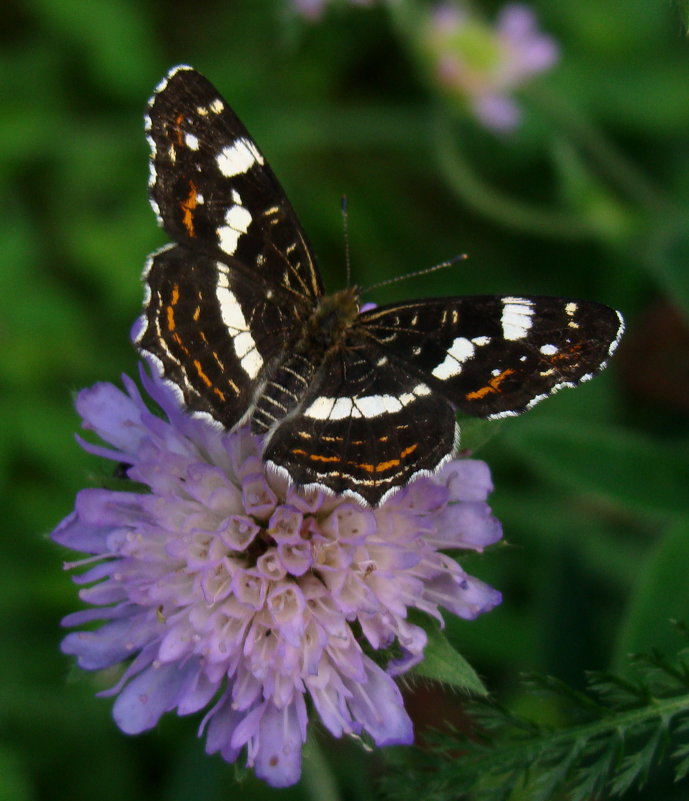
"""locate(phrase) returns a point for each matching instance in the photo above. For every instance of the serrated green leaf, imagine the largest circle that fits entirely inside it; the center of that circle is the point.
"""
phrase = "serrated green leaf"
(590, 780)
(442, 663)
(603, 753)
(635, 767)
(547, 783)
(682, 767)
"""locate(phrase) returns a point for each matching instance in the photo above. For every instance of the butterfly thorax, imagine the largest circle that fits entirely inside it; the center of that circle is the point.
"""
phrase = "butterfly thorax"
(329, 323)
(322, 332)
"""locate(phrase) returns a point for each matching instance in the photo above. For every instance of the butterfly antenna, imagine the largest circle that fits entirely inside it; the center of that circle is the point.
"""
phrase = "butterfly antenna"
(443, 264)
(345, 229)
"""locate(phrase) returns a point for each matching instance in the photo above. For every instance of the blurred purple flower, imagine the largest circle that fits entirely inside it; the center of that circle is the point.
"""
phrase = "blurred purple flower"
(220, 587)
(481, 64)
(313, 9)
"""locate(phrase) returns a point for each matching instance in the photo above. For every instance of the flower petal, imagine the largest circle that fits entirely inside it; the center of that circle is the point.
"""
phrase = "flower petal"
(112, 415)
(146, 697)
(378, 704)
(282, 735)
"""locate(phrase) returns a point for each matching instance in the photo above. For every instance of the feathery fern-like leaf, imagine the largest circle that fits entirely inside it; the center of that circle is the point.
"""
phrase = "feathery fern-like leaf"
(613, 736)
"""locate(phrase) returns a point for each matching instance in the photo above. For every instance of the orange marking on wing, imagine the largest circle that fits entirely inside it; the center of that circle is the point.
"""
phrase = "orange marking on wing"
(381, 467)
(571, 354)
(187, 206)
(170, 309)
(180, 344)
(492, 386)
(196, 314)
(315, 457)
(178, 128)
(206, 380)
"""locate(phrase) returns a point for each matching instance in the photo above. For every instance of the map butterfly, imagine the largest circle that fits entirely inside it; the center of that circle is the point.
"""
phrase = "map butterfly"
(357, 402)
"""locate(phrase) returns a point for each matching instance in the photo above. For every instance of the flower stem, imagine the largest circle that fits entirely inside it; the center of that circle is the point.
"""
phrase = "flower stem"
(619, 170)
(317, 777)
(487, 200)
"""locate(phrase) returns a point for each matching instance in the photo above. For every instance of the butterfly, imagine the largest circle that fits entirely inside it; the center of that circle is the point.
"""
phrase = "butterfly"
(354, 401)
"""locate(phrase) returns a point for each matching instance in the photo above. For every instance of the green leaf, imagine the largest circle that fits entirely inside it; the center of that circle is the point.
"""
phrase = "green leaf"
(442, 663)
(476, 433)
(621, 466)
(660, 596)
(603, 744)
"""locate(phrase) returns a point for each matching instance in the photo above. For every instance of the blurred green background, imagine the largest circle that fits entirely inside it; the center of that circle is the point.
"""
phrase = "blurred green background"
(589, 198)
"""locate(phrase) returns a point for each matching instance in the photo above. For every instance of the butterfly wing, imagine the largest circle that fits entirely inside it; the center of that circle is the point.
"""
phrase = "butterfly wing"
(364, 428)
(225, 302)
(214, 191)
(493, 356)
(210, 331)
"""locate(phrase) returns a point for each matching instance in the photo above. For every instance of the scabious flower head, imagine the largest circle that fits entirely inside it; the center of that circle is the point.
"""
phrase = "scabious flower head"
(220, 587)
(482, 65)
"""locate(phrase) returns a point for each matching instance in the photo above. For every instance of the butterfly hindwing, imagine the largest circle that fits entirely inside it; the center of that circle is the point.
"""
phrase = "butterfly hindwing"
(213, 332)
(363, 428)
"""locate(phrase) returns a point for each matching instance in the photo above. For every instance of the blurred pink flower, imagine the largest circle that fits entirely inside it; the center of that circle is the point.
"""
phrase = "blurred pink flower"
(482, 65)
(313, 9)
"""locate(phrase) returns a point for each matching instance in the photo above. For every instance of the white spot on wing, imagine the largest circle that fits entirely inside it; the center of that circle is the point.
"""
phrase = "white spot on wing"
(191, 141)
(243, 342)
(341, 408)
(460, 350)
(549, 350)
(320, 409)
(237, 222)
(516, 317)
(238, 158)
(375, 405)
(366, 406)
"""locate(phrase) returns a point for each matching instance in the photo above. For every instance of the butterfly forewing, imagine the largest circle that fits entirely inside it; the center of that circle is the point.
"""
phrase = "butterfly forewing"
(497, 355)
(236, 320)
(214, 191)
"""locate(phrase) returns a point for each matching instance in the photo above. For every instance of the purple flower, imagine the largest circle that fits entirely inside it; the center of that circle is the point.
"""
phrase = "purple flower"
(313, 9)
(482, 65)
(222, 588)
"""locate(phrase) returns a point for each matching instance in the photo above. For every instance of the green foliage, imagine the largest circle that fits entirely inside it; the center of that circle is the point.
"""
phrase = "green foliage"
(608, 739)
(444, 664)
